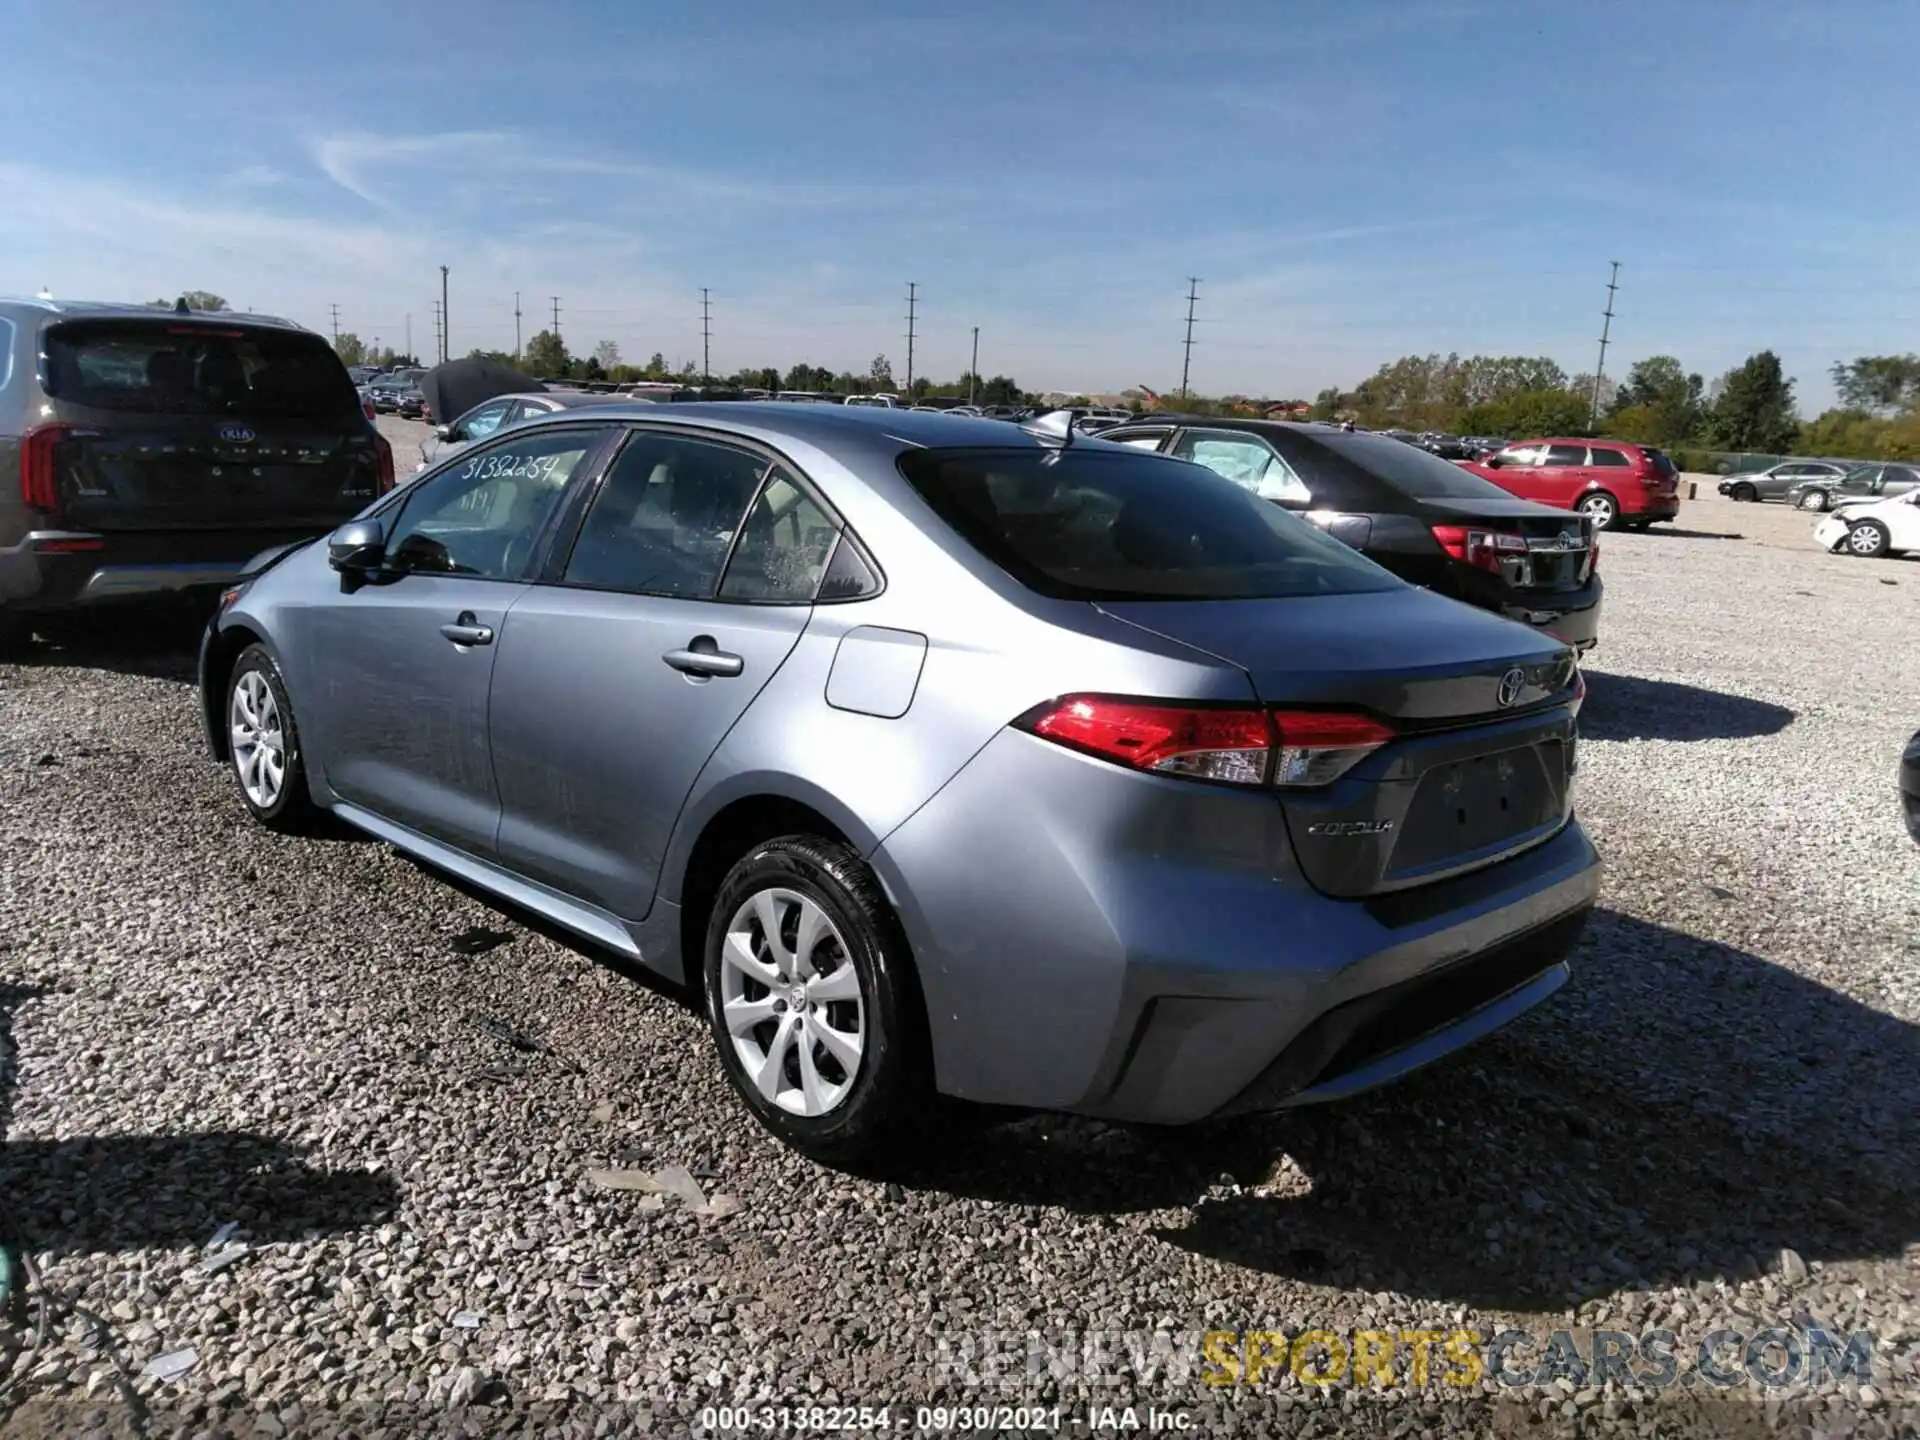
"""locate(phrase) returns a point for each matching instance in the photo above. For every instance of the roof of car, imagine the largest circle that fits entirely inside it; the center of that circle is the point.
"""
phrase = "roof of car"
(824, 425)
(113, 310)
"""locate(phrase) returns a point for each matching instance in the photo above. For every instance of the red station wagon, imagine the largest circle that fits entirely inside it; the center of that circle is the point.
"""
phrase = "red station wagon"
(1621, 486)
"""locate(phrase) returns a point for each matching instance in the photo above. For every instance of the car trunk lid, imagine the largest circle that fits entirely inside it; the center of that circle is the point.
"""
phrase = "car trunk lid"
(1484, 713)
(1530, 547)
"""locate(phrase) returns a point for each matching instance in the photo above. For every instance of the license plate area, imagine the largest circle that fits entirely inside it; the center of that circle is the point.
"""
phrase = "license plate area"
(1465, 807)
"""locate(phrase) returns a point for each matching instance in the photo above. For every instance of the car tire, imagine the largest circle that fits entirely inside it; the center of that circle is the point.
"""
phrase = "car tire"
(794, 1074)
(262, 740)
(1745, 494)
(1813, 500)
(1869, 539)
(1601, 508)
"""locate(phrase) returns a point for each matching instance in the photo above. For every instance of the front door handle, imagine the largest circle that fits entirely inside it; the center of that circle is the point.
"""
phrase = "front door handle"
(467, 630)
(703, 657)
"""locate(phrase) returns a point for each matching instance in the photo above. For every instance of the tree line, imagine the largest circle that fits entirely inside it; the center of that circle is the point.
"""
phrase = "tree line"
(1749, 408)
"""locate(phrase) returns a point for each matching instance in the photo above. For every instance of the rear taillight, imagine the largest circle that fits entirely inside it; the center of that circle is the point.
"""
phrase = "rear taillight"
(385, 452)
(1579, 692)
(1317, 747)
(1483, 549)
(1227, 744)
(39, 479)
(366, 409)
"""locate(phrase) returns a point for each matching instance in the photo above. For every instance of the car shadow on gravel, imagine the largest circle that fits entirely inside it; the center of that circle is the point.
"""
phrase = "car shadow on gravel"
(163, 646)
(1643, 1130)
(1675, 532)
(121, 1192)
(1627, 707)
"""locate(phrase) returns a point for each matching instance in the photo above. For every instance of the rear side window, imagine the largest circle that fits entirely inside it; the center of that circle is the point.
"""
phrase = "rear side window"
(152, 368)
(1101, 524)
(1566, 455)
(783, 547)
(665, 517)
(1610, 459)
(1245, 460)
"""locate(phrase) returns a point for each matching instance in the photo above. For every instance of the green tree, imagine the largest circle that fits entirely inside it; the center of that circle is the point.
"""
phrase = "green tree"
(1878, 384)
(1659, 403)
(348, 347)
(1326, 405)
(606, 354)
(546, 356)
(1755, 409)
(593, 370)
(656, 368)
(880, 374)
(198, 300)
(1000, 390)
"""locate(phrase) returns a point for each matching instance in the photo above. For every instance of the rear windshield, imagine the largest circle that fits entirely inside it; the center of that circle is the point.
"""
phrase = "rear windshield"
(1107, 524)
(1661, 462)
(159, 369)
(1325, 458)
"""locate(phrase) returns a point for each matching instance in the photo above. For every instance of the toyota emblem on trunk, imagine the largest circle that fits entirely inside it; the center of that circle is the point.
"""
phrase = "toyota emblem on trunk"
(1511, 684)
(236, 434)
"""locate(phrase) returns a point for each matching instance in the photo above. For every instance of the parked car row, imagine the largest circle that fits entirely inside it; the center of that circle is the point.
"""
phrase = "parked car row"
(809, 655)
(1873, 528)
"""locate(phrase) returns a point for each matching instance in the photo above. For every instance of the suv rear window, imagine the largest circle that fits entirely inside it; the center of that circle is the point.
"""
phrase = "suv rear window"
(1660, 461)
(1108, 524)
(153, 368)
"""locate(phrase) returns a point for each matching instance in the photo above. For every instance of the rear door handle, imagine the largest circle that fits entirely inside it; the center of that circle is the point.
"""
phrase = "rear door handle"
(703, 657)
(468, 631)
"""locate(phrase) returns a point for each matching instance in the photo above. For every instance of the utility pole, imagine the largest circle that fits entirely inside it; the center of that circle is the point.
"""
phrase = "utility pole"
(913, 300)
(516, 327)
(446, 338)
(409, 337)
(1186, 363)
(706, 337)
(973, 371)
(556, 317)
(439, 346)
(336, 325)
(1606, 329)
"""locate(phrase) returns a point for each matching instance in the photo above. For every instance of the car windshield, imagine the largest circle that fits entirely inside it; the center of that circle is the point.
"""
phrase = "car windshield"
(1108, 524)
(194, 369)
(1320, 457)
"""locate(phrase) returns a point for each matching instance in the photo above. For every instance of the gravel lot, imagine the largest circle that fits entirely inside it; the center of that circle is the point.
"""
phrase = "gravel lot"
(202, 1024)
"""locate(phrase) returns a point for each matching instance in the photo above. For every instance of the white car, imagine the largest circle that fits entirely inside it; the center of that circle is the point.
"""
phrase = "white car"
(1873, 528)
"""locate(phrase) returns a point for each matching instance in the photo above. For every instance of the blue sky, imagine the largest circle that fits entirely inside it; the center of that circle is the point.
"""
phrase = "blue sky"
(1351, 182)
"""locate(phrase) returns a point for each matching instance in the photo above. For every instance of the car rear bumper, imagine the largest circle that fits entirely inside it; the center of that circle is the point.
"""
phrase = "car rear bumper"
(126, 567)
(1572, 618)
(1160, 959)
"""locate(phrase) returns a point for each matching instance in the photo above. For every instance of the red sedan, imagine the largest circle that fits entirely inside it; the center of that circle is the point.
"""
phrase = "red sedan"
(1620, 485)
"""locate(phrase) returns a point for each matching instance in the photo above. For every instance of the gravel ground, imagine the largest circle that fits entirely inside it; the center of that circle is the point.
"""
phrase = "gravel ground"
(210, 1033)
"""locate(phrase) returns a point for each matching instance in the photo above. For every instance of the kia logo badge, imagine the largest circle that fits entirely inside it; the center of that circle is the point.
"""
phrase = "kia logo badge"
(236, 434)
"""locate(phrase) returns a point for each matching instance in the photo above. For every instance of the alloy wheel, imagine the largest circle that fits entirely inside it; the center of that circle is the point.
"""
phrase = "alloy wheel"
(1864, 540)
(1814, 500)
(258, 739)
(791, 1001)
(1600, 508)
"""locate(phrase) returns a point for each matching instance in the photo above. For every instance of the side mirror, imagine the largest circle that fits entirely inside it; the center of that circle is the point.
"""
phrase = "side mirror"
(445, 432)
(357, 546)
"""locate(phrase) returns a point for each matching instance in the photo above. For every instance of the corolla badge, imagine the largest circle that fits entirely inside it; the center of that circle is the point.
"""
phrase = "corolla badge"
(1511, 684)
(236, 434)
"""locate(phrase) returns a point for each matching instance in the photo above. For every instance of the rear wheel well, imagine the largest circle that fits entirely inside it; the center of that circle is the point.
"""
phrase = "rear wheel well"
(224, 654)
(728, 836)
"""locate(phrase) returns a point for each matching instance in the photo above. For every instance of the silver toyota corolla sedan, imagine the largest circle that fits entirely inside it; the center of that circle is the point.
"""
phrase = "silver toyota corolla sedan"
(935, 754)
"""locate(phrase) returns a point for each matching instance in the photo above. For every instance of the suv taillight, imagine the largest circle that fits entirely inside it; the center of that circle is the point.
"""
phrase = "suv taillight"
(1232, 745)
(1483, 549)
(39, 479)
(385, 451)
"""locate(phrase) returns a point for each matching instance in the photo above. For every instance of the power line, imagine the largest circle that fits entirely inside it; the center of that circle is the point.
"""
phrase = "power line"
(706, 336)
(1186, 362)
(913, 300)
(1606, 329)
